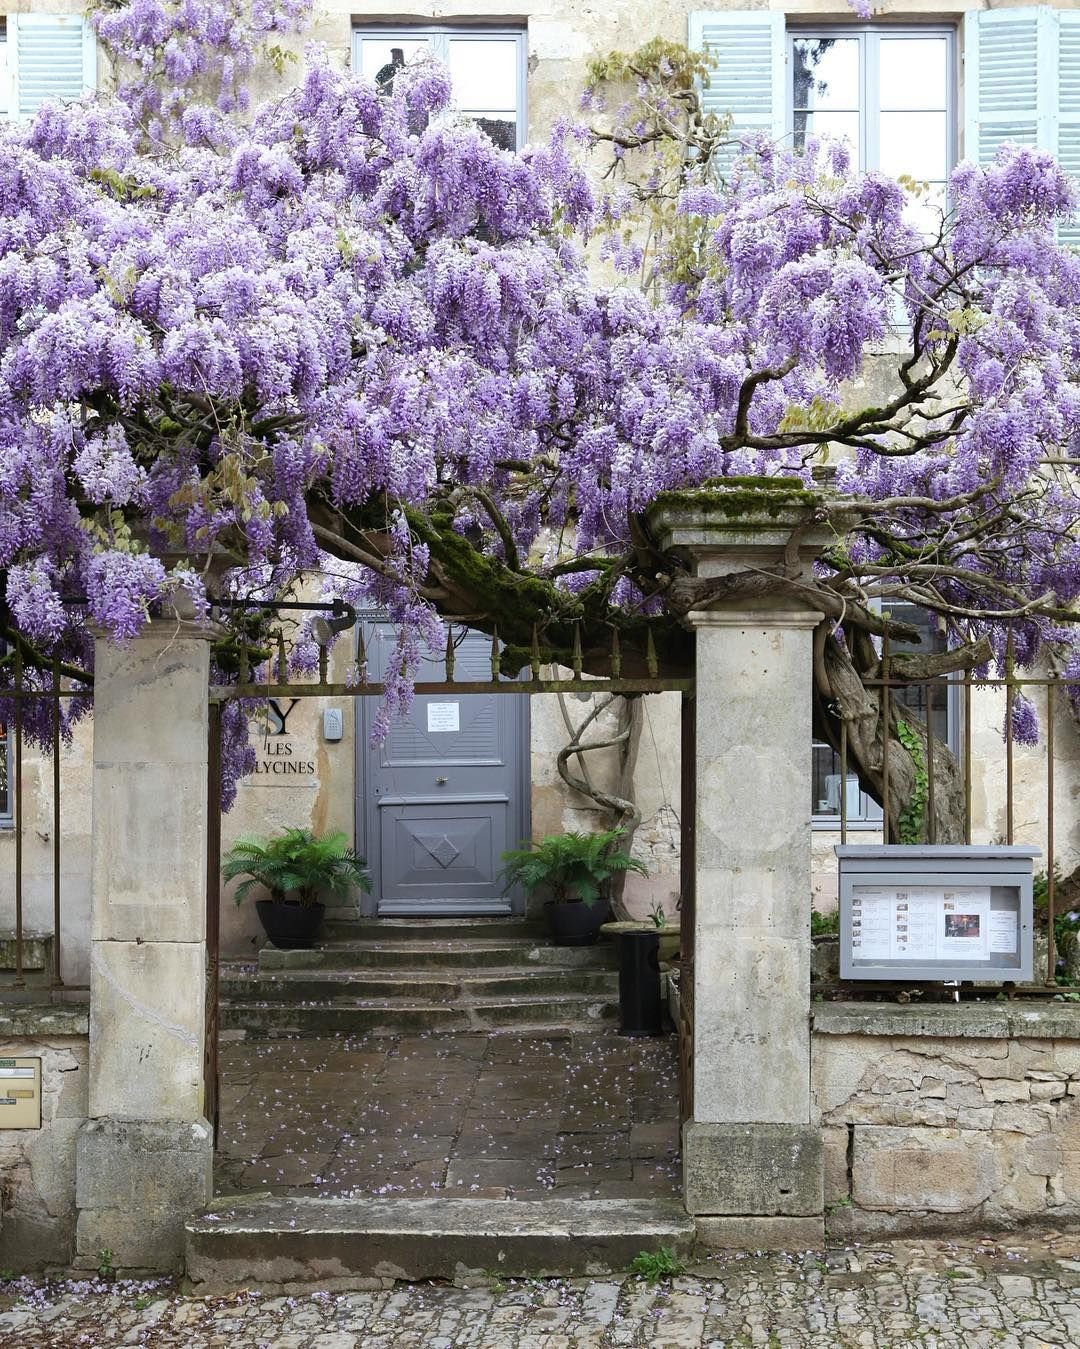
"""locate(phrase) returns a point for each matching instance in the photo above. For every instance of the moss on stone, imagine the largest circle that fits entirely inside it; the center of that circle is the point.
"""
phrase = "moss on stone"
(740, 496)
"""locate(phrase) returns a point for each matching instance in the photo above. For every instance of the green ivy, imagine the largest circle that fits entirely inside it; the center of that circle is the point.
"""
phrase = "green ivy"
(913, 817)
(824, 924)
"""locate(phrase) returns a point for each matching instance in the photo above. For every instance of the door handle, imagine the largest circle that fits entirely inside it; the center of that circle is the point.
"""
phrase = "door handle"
(441, 781)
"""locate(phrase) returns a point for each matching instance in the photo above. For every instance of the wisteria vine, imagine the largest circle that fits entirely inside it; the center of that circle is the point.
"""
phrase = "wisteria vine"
(343, 331)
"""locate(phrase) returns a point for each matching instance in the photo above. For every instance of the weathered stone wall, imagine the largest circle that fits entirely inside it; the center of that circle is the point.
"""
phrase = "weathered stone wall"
(557, 808)
(947, 1117)
(37, 1166)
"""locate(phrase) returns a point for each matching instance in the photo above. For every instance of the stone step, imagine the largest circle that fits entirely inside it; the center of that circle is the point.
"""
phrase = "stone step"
(432, 985)
(264, 1019)
(424, 929)
(269, 1240)
(420, 954)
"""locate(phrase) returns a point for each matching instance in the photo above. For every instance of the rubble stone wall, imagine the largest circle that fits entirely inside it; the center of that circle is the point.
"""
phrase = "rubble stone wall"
(37, 1166)
(948, 1117)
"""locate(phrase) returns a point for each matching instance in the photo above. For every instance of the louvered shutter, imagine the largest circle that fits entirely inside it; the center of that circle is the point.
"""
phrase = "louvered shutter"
(1068, 146)
(1003, 62)
(1022, 84)
(747, 47)
(51, 56)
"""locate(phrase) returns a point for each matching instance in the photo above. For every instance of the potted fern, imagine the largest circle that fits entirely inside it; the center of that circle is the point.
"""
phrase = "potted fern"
(573, 870)
(297, 868)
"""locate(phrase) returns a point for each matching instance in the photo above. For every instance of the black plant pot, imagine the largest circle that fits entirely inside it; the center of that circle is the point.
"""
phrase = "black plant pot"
(290, 927)
(576, 924)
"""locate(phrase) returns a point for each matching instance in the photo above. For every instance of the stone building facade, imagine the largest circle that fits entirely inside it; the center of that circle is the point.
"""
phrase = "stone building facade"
(810, 65)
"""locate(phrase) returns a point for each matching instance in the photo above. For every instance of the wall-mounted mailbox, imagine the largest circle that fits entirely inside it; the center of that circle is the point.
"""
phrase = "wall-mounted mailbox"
(936, 913)
(20, 1093)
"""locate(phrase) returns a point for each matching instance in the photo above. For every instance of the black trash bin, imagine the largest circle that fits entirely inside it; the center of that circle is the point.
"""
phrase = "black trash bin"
(640, 1009)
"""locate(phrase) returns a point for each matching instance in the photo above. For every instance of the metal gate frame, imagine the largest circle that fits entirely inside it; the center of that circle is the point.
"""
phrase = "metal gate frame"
(283, 687)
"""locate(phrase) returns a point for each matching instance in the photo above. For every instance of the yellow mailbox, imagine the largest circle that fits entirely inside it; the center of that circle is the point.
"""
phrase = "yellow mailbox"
(20, 1093)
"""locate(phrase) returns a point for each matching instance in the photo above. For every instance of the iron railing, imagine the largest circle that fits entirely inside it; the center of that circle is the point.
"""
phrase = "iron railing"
(17, 983)
(1051, 691)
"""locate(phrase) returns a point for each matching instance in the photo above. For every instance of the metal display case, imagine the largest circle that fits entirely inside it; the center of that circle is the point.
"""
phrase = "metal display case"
(945, 913)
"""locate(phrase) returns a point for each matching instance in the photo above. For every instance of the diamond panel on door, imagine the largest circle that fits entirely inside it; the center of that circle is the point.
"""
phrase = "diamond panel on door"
(446, 850)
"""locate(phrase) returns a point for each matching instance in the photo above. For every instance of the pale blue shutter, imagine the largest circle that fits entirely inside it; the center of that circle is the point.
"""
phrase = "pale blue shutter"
(1022, 84)
(1068, 147)
(1010, 80)
(52, 56)
(747, 48)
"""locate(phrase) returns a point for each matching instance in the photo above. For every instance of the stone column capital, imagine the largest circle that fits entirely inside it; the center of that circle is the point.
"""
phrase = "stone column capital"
(743, 523)
(757, 617)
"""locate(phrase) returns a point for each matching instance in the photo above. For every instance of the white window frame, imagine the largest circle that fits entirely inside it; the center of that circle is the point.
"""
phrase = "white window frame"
(439, 35)
(869, 37)
(868, 815)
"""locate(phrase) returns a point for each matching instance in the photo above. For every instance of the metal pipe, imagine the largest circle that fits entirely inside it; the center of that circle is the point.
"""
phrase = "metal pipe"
(886, 721)
(58, 980)
(931, 825)
(213, 912)
(1009, 699)
(1051, 945)
(17, 788)
(967, 757)
(843, 781)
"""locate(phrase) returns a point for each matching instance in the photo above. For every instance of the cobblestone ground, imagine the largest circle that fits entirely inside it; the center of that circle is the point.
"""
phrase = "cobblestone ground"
(976, 1294)
(591, 1115)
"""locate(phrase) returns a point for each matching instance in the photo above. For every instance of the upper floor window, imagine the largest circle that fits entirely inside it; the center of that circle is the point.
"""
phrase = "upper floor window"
(487, 67)
(889, 93)
(891, 90)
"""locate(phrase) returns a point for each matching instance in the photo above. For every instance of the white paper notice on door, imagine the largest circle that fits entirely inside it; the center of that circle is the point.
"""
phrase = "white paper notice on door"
(443, 717)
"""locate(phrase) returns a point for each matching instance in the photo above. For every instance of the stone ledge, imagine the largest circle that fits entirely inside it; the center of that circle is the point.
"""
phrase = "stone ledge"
(22, 1021)
(760, 1234)
(965, 1020)
(267, 1240)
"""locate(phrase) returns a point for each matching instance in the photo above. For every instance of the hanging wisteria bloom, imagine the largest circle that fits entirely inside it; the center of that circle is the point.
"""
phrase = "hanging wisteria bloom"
(342, 330)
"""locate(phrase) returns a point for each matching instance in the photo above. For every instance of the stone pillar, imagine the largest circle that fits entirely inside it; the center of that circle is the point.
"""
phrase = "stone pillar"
(144, 1158)
(752, 1160)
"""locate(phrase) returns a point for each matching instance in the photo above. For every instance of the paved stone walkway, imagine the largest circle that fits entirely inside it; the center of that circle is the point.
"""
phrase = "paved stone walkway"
(489, 1116)
(936, 1295)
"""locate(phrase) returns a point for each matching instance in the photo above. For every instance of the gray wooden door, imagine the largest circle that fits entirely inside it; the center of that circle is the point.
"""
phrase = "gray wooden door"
(446, 793)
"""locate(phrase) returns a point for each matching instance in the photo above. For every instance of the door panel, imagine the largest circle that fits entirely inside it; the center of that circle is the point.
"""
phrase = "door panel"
(447, 792)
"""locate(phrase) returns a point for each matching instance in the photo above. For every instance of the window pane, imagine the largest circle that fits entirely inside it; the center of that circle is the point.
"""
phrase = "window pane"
(379, 57)
(933, 641)
(836, 125)
(827, 785)
(914, 73)
(5, 799)
(501, 127)
(925, 211)
(485, 72)
(826, 72)
(915, 143)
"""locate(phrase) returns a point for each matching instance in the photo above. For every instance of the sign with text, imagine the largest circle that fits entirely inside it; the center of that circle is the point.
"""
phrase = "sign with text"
(444, 717)
(935, 913)
(282, 759)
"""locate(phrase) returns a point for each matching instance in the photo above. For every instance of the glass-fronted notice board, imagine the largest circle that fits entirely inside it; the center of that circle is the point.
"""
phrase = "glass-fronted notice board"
(936, 913)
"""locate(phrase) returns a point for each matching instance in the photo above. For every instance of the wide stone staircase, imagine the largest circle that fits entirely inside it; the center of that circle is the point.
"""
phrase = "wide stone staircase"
(422, 975)
(495, 977)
